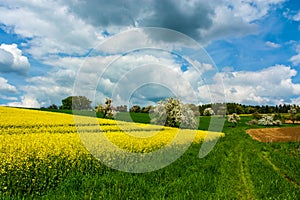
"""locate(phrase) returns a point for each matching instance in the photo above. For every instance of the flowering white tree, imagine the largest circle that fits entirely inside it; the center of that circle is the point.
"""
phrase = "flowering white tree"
(172, 112)
(188, 118)
(107, 110)
(268, 120)
(208, 112)
(234, 118)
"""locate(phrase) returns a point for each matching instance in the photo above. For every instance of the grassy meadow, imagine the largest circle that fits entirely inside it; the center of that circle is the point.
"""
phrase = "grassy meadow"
(42, 157)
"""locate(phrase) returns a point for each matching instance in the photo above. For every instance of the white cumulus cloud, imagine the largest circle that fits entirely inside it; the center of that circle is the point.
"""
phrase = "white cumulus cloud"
(74, 27)
(50, 25)
(26, 101)
(58, 33)
(12, 60)
(271, 85)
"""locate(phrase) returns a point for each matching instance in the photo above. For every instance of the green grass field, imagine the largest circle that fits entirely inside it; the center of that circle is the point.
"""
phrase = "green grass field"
(237, 168)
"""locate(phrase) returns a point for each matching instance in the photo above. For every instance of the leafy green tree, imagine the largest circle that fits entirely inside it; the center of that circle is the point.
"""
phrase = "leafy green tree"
(249, 110)
(76, 103)
(146, 109)
(278, 116)
(53, 106)
(297, 117)
(256, 115)
(135, 109)
(239, 109)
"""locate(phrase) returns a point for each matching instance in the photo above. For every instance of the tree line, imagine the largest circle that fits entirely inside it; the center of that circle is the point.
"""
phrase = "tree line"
(250, 109)
(83, 103)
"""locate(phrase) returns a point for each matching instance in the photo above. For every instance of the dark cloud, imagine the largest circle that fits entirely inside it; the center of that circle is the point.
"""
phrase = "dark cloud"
(187, 17)
(107, 13)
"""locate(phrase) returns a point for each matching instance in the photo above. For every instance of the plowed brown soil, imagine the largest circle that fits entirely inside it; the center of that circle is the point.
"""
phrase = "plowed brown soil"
(291, 134)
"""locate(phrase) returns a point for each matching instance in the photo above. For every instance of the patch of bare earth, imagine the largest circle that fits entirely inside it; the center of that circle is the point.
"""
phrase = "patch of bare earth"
(291, 134)
(291, 122)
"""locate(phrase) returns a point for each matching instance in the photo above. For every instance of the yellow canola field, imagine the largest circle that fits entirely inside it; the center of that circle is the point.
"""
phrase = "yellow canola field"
(19, 150)
(27, 135)
(39, 149)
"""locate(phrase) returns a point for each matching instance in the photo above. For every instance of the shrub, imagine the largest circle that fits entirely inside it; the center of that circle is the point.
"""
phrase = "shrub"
(252, 122)
(297, 117)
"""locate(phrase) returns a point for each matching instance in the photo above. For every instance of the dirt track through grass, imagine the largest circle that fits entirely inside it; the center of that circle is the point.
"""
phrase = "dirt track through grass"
(280, 172)
(246, 177)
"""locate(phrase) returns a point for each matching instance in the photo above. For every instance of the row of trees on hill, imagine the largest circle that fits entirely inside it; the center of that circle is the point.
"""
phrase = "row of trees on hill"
(172, 112)
(138, 109)
(250, 109)
(83, 103)
(264, 109)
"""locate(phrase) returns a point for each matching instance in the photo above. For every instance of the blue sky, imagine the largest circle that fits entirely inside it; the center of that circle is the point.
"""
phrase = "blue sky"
(254, 44)
(255, 51)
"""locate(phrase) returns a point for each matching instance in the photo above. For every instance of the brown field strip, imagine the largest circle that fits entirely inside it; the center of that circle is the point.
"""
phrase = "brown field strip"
(291, 134)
